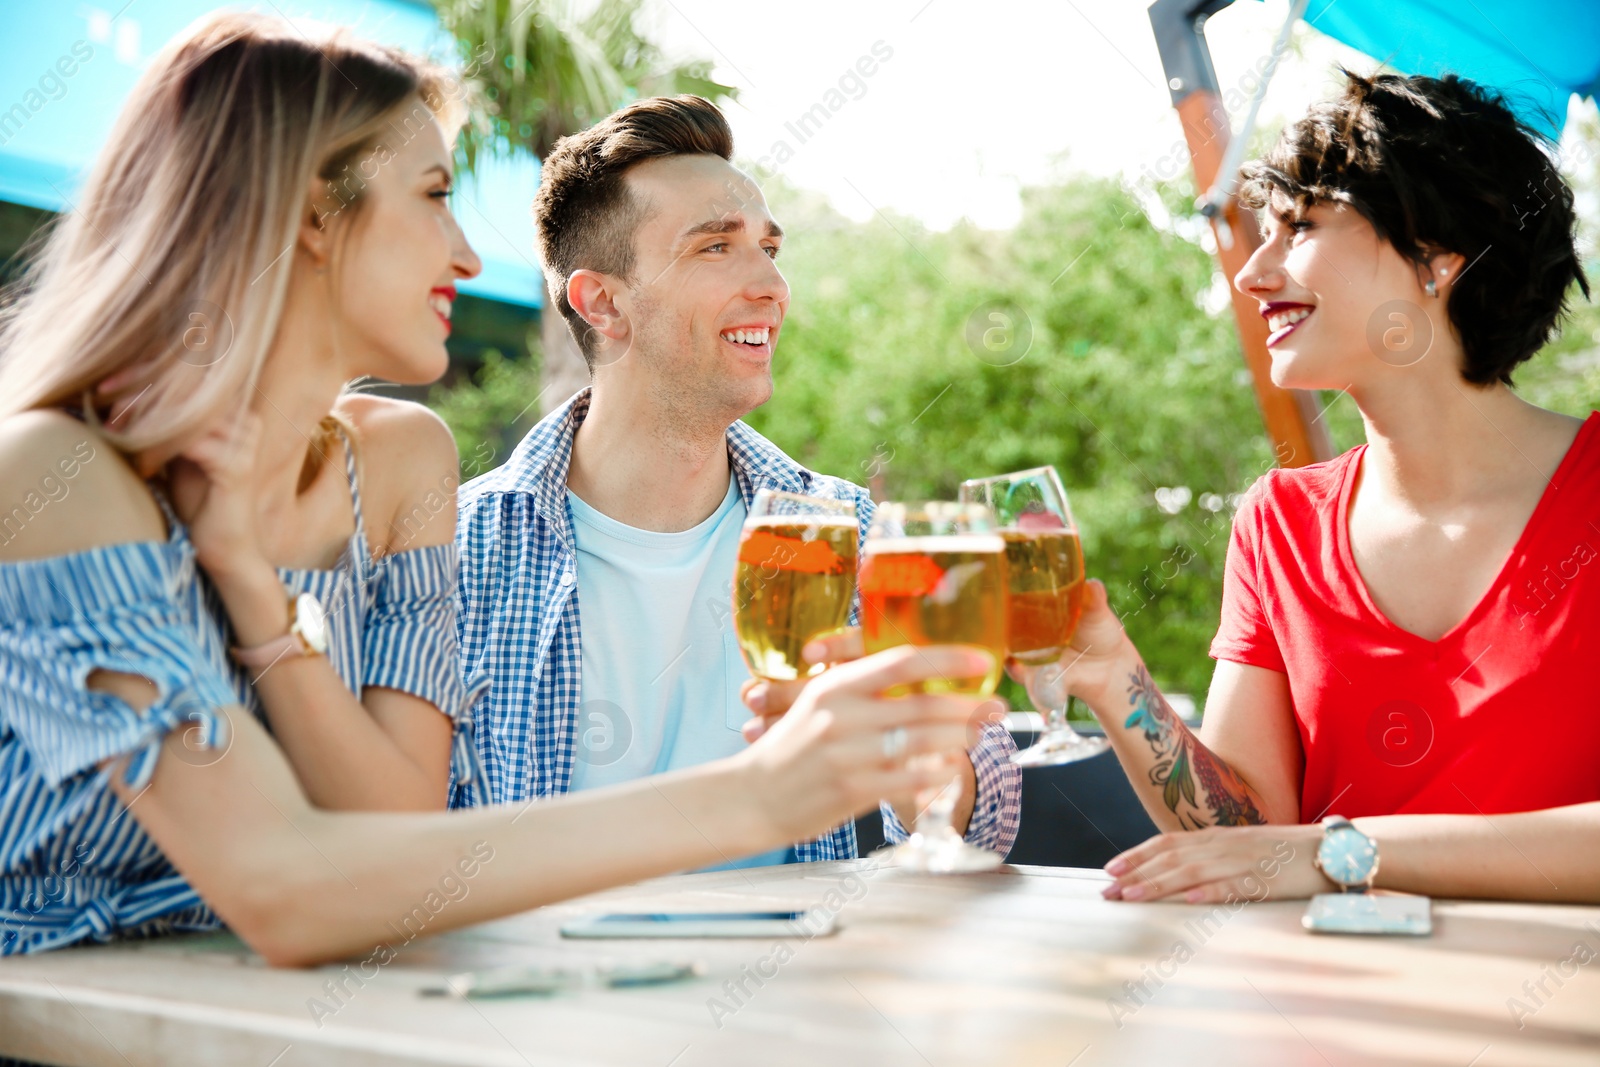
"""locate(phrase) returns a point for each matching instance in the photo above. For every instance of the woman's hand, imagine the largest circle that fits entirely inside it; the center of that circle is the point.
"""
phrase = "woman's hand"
(834, 755)
(213, 484)
(769, 700)
(1221, 864)
(213, 489)
(1095, 665)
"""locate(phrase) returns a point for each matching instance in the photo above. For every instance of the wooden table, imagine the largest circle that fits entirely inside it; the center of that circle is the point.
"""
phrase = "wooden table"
(1023, 966)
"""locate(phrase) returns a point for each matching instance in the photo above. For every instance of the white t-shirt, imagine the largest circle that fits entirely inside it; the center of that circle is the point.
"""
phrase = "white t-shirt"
(661, 666)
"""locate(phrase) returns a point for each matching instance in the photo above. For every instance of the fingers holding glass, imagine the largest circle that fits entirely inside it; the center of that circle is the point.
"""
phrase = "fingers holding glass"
(768, 699)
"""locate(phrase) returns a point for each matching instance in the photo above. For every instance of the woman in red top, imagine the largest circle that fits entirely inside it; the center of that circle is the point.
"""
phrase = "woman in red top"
(1406, 629)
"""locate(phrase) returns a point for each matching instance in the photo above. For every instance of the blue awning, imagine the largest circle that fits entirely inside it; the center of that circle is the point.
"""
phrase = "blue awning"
(1536, 52)
(66, 68)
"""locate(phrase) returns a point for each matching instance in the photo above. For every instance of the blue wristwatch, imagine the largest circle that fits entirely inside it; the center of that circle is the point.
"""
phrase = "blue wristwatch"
(1346, 855)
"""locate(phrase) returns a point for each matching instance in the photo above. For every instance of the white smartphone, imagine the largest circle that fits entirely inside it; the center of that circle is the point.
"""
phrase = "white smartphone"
(703, 924)
(1369, 913)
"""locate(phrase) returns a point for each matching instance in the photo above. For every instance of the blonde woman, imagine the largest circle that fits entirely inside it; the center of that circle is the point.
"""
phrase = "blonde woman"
(227, 585)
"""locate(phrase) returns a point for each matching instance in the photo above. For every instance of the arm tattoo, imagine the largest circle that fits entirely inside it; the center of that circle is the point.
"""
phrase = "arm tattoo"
(1180, 757)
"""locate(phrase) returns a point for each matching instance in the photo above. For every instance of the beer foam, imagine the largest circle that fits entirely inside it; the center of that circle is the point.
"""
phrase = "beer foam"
(841, 521)
(936, 543)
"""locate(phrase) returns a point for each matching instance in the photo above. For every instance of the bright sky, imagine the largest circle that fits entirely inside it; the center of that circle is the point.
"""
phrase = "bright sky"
(978, 97)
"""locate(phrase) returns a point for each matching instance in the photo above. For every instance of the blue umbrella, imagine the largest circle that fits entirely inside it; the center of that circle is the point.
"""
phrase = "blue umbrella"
(1538, 54)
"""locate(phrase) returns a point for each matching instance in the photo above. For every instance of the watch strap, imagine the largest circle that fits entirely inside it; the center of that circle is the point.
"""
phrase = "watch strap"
(260, 657)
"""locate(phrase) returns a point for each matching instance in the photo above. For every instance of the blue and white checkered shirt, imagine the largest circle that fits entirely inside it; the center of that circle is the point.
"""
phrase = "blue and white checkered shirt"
(519, 625)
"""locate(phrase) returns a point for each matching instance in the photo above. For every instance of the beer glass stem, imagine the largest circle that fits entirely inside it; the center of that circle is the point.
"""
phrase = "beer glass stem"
(1056, 717)
(1049, 695)
(1058, 743)
(935, 814)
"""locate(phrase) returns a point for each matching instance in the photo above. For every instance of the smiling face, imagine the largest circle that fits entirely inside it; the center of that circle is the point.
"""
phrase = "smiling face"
(706, 301)
(1343, 306)
(400, 262)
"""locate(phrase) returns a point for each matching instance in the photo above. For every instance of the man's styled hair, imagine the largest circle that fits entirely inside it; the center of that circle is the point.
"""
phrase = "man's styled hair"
(1442, 165)
(585, 214)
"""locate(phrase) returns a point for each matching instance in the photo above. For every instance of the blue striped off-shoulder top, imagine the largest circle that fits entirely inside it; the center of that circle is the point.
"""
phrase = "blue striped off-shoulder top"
(73, 866)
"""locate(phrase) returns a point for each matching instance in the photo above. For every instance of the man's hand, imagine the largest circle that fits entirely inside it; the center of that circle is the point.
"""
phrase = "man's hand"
(768, 701)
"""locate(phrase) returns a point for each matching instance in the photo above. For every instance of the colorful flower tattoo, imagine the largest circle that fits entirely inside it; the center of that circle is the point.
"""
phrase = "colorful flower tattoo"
(1181, 758)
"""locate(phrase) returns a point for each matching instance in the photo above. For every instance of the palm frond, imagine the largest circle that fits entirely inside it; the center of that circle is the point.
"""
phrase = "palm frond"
(551, 73)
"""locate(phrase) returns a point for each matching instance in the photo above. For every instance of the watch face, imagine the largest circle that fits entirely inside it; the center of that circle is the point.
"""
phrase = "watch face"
(1347, 855)
(311, 621)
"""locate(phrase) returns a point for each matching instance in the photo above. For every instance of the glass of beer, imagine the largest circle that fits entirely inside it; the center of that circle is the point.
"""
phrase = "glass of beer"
(934, 574)
(794, 581)
(1044, 564)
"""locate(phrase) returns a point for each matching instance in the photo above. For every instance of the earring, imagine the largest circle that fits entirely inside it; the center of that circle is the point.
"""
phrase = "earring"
(1431, 288)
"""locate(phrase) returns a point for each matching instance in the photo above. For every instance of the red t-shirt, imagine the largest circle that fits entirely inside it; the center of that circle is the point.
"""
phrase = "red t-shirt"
(1500, 714)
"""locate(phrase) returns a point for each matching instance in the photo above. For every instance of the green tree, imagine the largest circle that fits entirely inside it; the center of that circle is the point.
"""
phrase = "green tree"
(489, 412)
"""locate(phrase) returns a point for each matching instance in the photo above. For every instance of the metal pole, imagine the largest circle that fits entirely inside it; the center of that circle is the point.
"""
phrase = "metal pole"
(1298, 438)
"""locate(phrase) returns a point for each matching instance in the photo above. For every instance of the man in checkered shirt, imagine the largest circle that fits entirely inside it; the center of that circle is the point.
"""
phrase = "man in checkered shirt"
(597, 562)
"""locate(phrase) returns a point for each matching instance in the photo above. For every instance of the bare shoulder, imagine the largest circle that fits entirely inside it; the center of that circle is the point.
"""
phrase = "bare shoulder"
(65, 489)
(400, 438)
(1551, 438)
(1565, 428)
(409, 471)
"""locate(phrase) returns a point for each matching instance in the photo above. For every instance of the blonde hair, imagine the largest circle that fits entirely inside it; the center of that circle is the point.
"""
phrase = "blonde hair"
(189, 218)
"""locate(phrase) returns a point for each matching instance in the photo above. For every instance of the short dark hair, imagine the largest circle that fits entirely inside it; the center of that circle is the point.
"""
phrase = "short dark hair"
(585, 215)
(1443, 165)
